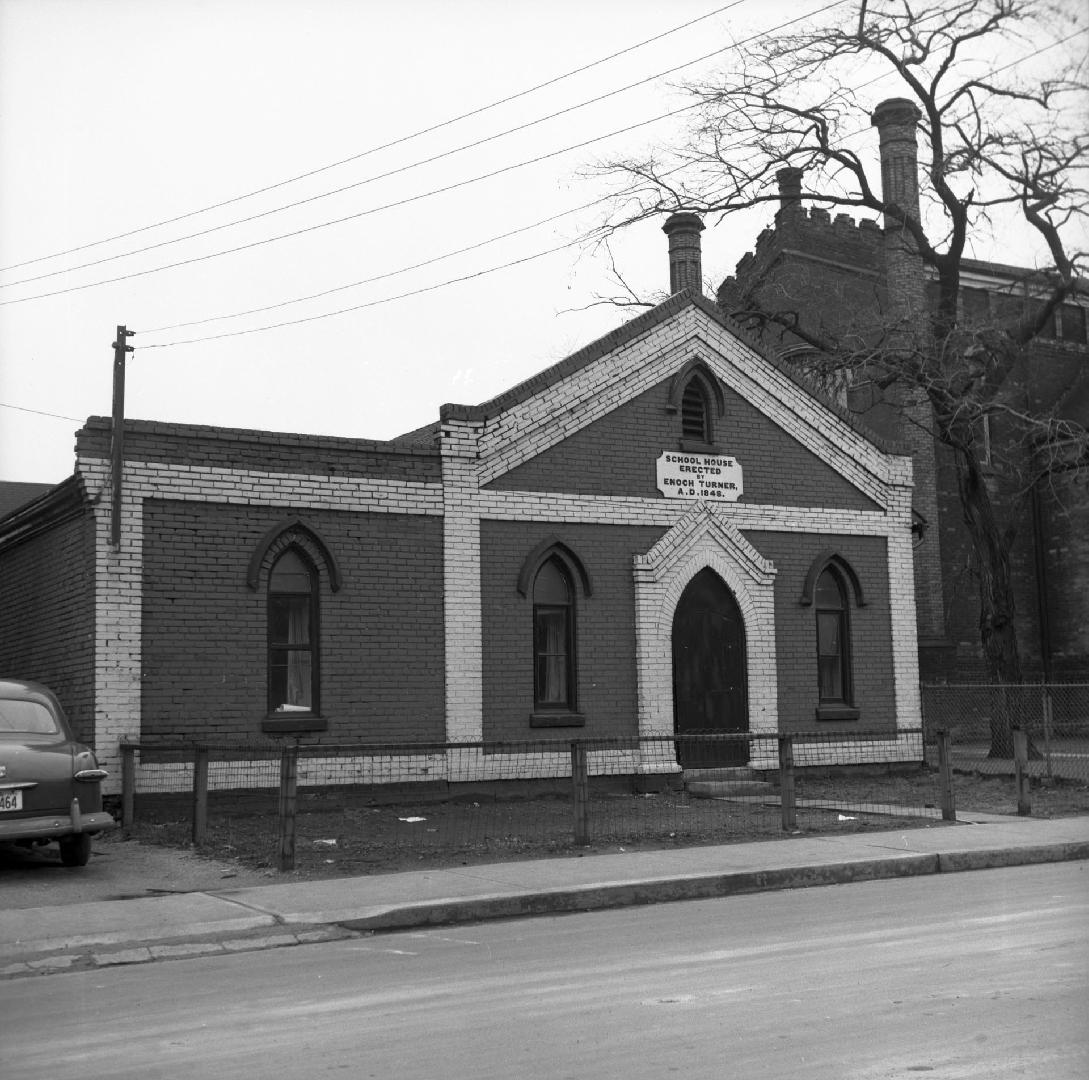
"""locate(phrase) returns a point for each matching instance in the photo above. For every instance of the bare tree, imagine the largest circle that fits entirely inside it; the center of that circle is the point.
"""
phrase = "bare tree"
(996, 146)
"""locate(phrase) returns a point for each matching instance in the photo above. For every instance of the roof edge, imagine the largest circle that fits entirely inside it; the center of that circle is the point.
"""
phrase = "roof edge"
(65, 500)
(99, 424)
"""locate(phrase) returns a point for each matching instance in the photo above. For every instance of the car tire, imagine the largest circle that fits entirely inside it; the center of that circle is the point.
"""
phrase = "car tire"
(75, 850)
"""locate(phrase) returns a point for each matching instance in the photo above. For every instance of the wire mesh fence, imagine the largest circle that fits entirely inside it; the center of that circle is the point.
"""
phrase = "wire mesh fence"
(371, 808)
(981, 721)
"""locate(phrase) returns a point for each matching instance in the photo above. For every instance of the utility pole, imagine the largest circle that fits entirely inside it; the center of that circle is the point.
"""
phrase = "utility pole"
(117, 455)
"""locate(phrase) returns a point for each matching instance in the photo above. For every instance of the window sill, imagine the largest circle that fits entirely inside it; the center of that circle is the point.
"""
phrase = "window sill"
(288, 725)
(557, 719)
(837, 712)
(697, 446)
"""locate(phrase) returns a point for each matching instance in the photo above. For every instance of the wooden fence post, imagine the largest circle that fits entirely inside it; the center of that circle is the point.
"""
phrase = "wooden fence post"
(1020, 771)
(289, 775)
(200, 795)
(128, 786)
(945, 775)
(1049, 717)
(786, 782)
(580, 792)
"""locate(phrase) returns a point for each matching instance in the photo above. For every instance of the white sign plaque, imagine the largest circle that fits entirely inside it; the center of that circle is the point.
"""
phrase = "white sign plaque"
(699, 476)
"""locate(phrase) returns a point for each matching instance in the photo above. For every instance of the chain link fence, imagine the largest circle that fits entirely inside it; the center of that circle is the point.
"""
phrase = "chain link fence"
(982, 721)
(375, 808)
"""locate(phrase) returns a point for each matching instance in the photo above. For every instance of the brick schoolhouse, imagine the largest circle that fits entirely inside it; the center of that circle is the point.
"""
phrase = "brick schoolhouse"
(668, 531)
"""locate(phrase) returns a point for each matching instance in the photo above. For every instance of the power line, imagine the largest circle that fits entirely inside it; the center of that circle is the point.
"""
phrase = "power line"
(39, 412)
(385, 146)
(416, 164)
(353, 217)
(379, 277)
(471, 247)
(369, 303)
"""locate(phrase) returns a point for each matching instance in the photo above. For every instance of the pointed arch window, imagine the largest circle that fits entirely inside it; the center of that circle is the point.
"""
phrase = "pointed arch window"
(293, 675)
(697, 399)
(835, 694)
(553, 639)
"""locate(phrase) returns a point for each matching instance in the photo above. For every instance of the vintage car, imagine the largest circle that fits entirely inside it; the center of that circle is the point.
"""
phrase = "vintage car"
(50, 785)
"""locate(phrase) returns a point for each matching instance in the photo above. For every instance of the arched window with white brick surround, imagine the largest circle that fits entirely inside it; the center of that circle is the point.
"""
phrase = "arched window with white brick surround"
(290, 565)
(553, 578)
(829, 588)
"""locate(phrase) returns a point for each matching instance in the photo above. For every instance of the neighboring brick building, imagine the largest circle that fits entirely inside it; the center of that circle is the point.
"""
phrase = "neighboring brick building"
(668, 530)
(834, 276)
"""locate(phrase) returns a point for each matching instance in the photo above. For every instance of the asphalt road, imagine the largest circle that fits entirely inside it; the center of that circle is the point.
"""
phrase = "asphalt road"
(972, 975)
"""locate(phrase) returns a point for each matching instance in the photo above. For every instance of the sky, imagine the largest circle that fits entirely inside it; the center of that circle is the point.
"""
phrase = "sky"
(121, 119)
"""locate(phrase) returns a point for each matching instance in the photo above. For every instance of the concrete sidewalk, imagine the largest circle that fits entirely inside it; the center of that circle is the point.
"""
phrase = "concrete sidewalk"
(39, 940)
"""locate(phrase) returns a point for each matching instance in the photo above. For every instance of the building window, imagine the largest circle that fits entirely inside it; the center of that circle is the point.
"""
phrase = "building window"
(696, 412)
(553, 639)
(1073, 322)
(1050, 329)
(292, 636)
(834, 696)
(975, 307)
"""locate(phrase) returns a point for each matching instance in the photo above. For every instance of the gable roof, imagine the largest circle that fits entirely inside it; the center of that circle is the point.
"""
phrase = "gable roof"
(632, 329)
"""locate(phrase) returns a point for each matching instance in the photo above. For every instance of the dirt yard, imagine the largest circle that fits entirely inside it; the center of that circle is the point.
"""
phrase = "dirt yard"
(362, 839)
(348, 839)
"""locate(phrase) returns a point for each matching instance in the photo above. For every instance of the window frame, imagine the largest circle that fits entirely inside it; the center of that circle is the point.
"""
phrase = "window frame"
(309, 719)
(832, 706)
(551, 712)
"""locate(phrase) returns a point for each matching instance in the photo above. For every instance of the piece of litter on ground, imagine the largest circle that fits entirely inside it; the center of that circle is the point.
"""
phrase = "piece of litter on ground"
(412, 819)
(325, 843)
(844, 817)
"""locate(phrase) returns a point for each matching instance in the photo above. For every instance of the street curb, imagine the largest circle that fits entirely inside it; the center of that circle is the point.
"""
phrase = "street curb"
(180, 946)
(705, 887)
(273, 931)
(143, 936)
(952, 862)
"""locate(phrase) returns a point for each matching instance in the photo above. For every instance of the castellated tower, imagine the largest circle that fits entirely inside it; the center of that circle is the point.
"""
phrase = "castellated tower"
(845, 280)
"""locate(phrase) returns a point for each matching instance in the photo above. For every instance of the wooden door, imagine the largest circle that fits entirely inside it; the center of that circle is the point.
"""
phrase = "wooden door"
(709, 679)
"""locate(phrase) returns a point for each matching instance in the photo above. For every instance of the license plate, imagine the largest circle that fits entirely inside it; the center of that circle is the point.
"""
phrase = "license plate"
(11, 800)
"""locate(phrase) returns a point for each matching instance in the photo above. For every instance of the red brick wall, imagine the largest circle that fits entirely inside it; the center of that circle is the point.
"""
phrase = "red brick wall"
(1065, 513)
(606, 640)
(47, 616)
(616, 455)
(204, 661)
(795, 630)
(605, 628)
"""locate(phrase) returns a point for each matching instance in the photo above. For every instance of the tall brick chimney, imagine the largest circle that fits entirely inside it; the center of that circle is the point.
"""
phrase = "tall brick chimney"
(685, 260)
(897, 121)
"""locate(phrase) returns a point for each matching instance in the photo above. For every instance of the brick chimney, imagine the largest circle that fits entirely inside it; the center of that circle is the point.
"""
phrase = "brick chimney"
(685, 262)
(897, 121)
(790, 188)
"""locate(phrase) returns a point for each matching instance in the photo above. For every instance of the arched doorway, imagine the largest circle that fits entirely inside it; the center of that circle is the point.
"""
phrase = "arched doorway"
(709, 677)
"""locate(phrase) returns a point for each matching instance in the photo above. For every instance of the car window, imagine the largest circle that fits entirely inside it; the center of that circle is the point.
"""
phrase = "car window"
(27, 717)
